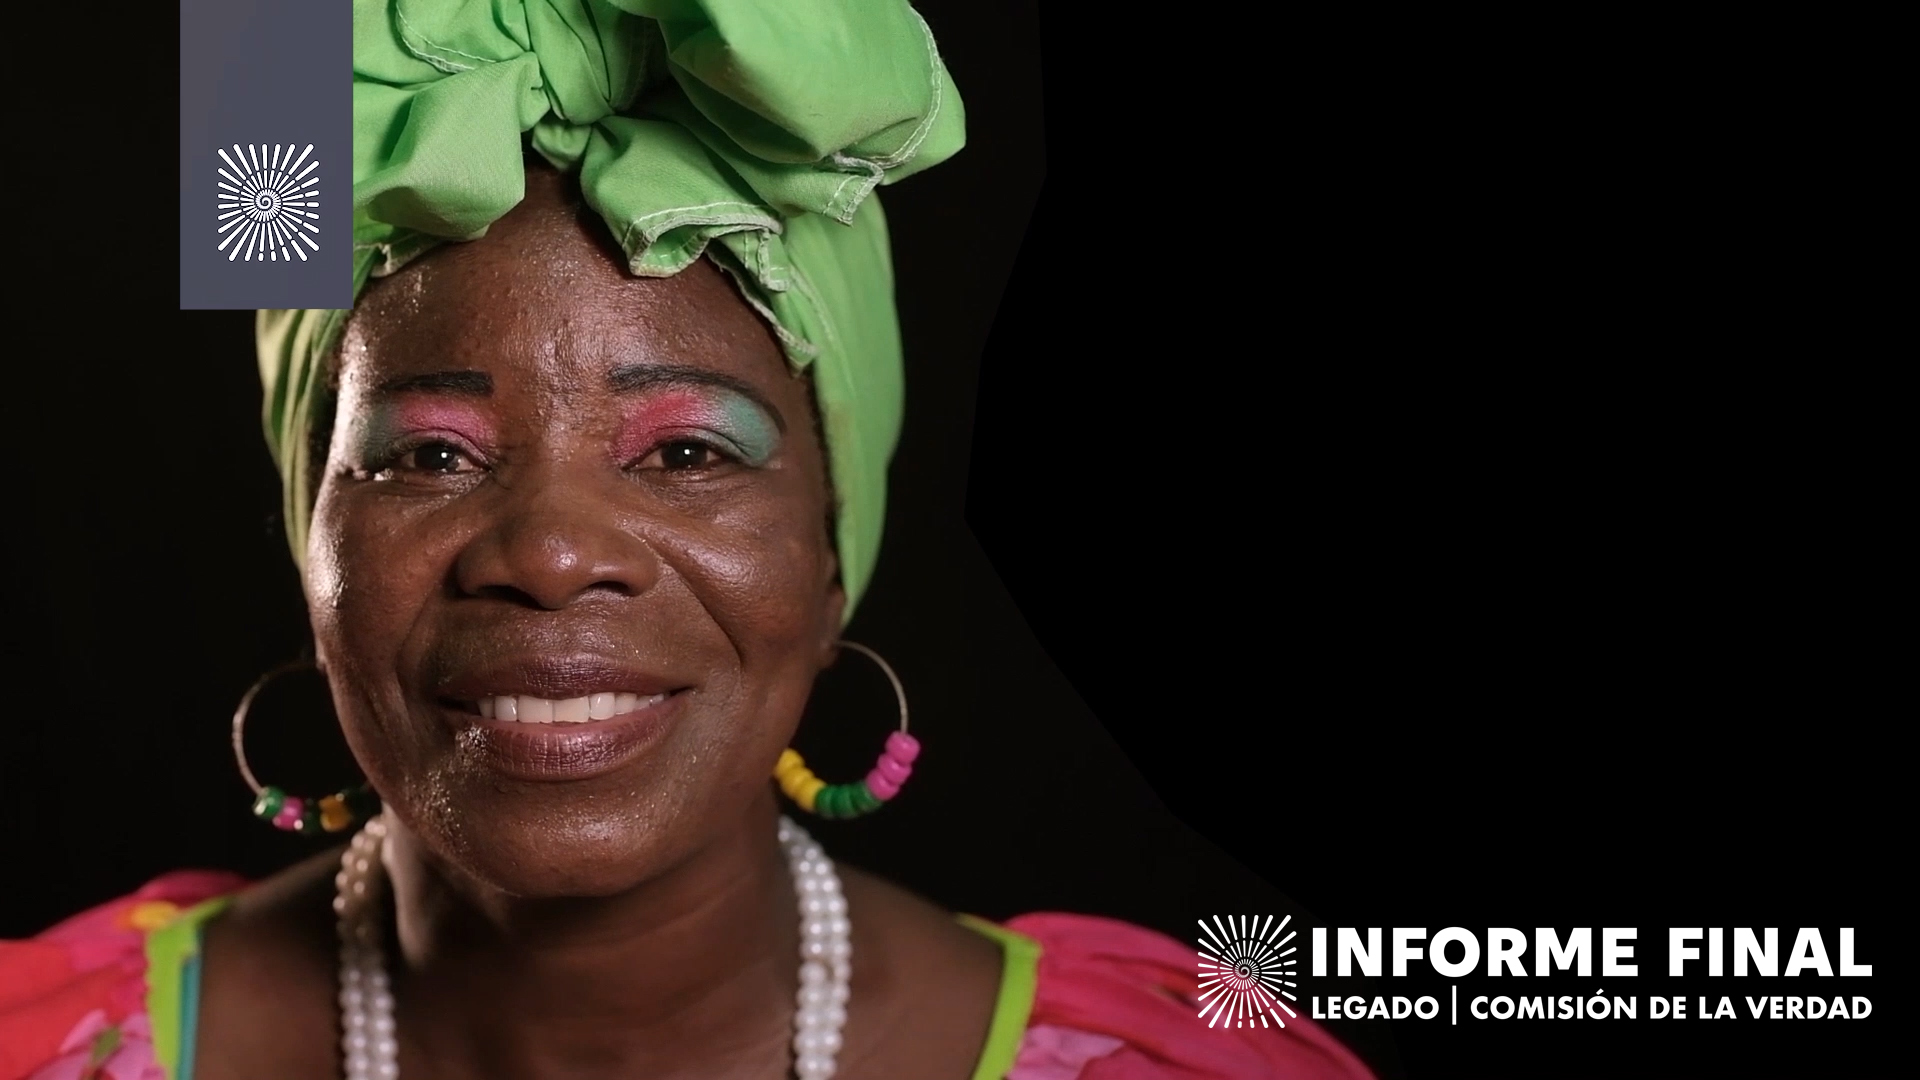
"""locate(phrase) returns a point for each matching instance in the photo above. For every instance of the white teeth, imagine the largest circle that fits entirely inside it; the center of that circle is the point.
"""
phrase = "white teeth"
(532, 710)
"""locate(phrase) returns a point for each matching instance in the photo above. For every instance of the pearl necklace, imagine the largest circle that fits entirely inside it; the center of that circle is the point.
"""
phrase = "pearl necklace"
(371, 1051)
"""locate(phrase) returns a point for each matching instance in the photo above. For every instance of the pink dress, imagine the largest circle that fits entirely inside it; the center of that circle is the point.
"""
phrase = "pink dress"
(112, 994)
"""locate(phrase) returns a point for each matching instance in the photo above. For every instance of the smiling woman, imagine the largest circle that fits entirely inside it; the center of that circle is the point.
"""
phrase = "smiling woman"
(601, 486)
(583, 490)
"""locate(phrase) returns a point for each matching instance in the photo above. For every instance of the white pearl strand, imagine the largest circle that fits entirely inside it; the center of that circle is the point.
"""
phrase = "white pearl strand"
(371, 1051)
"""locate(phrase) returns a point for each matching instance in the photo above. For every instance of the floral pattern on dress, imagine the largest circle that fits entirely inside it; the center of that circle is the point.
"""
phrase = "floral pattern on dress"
(1116, 1001)
(73, 999)
(97, 1050)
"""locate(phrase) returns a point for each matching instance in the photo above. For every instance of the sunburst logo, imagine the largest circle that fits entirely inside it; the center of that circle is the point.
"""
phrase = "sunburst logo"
(1245, 971)
(269, 201)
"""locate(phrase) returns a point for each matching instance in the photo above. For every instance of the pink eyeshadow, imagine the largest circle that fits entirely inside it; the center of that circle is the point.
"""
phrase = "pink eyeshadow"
(664, 411)
(386, 424)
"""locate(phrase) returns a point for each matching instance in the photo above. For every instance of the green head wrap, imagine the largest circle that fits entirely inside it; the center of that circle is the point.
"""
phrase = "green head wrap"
(751, 131)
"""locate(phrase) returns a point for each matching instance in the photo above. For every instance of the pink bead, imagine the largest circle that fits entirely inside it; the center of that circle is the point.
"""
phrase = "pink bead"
(895, 772)
(902, 747)
(882, 788)
(289, 816)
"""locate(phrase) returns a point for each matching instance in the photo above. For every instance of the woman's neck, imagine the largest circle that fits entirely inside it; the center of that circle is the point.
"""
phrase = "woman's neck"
(691, 973)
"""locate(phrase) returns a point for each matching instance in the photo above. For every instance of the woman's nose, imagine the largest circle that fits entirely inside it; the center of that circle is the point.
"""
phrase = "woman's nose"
(552, 545)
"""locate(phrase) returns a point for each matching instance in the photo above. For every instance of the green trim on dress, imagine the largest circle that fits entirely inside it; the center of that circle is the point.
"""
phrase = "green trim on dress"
(173, 986)
(1018, 978)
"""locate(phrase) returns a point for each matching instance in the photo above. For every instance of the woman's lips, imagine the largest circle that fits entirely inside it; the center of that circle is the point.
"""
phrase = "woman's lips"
(561, 750)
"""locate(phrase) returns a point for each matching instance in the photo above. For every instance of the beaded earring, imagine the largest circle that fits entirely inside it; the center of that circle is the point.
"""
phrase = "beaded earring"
(330, 813)
(816, 796)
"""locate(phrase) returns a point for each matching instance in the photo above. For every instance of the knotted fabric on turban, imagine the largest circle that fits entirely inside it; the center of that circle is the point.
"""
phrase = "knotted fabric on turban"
(750, 131)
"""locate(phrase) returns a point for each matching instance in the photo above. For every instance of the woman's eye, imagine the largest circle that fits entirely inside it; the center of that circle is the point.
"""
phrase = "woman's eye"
(434, 457)
(686, 455)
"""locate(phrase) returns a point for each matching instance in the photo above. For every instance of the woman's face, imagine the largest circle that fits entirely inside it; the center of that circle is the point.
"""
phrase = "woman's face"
(558, 491)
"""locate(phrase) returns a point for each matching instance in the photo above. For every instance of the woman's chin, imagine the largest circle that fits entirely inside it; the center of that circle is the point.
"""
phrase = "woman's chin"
(556, 875)
(596, 837)
(555, 852)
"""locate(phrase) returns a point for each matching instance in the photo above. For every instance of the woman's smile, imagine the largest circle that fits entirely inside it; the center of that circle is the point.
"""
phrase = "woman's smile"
(553, 749)
(557, 718)
(527, 709)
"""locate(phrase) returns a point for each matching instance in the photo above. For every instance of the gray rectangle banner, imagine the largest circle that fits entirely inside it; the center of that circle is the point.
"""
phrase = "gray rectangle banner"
(266, 151)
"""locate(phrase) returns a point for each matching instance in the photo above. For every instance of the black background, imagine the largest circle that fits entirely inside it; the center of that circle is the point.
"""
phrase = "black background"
(1397, 492)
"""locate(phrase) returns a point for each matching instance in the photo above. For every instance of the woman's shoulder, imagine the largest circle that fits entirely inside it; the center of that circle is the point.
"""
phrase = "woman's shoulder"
(77, 995)
(1111, 1000)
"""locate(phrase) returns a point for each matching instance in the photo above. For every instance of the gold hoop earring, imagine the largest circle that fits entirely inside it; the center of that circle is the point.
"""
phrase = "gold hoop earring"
(816, 796)
(330, 813)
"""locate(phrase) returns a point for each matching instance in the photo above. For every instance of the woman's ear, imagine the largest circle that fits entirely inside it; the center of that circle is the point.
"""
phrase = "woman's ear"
(311, 652)
(834, 617)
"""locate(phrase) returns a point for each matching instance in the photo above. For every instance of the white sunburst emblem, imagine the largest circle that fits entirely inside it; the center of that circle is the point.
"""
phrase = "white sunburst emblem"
(268, 203)
(1245, 971)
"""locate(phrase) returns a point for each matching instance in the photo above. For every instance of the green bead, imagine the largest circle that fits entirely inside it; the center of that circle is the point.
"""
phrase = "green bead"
(849, 806)
(861, 800)
(832, 801)
(310, 818)
(269, 803)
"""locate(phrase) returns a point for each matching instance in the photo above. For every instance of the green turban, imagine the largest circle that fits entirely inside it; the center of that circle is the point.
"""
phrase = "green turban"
(750, 131)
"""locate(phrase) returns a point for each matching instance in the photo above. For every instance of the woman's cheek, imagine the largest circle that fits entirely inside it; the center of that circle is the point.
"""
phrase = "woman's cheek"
(325, 572)
(760, 576)
(364, 568)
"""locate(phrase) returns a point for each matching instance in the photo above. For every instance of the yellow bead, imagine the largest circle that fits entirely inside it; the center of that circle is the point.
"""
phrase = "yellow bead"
(808, 791)
(791, 770)
(334, 814)
(794, 779)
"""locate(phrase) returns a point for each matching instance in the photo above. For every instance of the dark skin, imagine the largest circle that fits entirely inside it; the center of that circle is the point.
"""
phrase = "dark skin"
(640, 921)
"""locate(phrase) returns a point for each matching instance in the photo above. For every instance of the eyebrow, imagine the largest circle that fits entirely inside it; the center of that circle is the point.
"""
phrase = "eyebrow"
(630, 378)
(462, 383)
